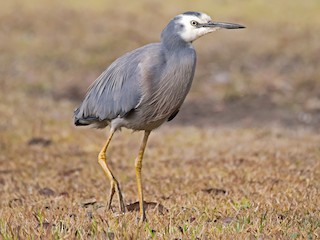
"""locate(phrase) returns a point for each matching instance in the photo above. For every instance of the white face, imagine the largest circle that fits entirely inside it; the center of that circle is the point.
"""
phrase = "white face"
(190, 31)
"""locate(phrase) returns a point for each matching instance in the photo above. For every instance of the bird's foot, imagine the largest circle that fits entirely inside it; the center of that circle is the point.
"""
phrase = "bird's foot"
(115, 187)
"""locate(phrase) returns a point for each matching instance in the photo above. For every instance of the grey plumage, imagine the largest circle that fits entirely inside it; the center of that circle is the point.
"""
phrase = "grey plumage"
(191, 13)
(134, 84)
(146, 87)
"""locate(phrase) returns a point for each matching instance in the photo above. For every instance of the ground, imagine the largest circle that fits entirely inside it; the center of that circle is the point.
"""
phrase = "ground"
(240, 161)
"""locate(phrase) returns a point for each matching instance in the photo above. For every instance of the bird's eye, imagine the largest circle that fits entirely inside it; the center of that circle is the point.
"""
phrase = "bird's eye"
(194, 23)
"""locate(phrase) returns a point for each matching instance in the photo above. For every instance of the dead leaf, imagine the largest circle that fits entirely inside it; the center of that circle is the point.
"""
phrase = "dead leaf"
(192, 219)
(70, 172)
(64, 194)
(215, 191)
(88, 201)
(148, 205)
(46, 191)
(39, 141)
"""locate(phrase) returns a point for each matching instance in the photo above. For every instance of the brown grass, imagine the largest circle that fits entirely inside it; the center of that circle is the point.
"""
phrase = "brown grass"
(241, 161)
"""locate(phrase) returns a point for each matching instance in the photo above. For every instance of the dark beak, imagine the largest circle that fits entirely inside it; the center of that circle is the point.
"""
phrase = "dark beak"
(222, 25)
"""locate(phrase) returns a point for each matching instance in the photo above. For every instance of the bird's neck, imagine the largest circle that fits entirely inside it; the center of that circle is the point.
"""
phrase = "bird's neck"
(173, 43)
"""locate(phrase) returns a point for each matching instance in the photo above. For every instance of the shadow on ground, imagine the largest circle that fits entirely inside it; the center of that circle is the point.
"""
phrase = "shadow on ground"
(245, 112)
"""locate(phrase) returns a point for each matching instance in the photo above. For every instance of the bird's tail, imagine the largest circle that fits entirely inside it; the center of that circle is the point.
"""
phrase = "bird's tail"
(80, 121)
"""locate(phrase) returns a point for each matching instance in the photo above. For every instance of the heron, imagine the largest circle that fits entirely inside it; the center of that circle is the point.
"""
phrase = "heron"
(145, 88)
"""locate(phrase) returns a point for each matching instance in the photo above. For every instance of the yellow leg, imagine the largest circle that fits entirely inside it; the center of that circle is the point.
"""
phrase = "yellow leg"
(115, 187)
(138, 165)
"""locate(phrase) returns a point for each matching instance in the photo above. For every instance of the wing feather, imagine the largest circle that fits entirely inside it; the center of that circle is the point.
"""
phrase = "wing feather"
(117, 90)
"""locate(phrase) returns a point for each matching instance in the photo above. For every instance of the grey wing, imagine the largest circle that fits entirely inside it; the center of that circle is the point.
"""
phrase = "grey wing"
(173, 115)
(114, 93)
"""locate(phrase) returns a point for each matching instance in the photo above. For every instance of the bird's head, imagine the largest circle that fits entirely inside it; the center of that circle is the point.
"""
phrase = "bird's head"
(192, 25)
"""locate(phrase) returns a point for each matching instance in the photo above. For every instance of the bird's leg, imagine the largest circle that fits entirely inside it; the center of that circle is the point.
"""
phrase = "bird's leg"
(138, 165)
(115, 187)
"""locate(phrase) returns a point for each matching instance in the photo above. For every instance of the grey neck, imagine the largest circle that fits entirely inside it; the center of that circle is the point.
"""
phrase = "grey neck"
(171, 39)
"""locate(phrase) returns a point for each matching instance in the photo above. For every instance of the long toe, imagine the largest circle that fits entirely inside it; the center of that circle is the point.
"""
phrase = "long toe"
(111, 194)
(122, 206)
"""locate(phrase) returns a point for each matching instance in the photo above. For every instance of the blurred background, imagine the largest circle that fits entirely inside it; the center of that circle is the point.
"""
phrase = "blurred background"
(248, 131)
(264, 75)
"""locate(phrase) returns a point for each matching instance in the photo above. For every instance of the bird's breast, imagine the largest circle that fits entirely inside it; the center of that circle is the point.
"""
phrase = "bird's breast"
(169, 88)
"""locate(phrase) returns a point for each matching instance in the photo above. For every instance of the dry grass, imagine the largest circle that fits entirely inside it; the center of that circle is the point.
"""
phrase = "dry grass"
(241, 161)
(214, 183)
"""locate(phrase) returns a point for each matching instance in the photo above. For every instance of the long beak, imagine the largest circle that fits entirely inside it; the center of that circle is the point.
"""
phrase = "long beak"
(222, 25)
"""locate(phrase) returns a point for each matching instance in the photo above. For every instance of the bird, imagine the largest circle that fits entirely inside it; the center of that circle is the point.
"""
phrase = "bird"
(145, 88)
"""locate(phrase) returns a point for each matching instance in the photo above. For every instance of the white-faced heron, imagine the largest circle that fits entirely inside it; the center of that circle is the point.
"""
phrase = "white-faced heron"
(145, 88)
